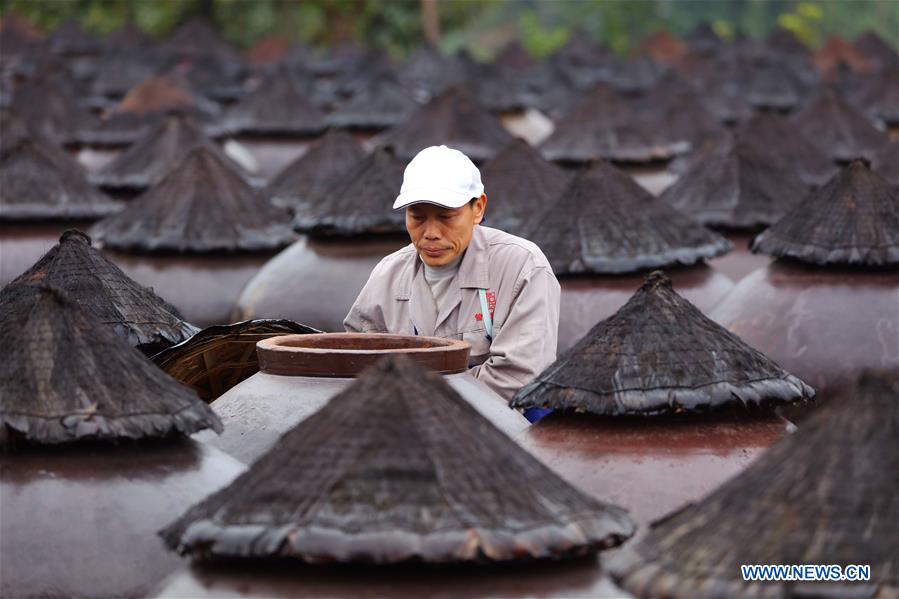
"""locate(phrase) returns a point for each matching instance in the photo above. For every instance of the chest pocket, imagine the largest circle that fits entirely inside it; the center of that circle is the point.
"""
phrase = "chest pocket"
(480, 346)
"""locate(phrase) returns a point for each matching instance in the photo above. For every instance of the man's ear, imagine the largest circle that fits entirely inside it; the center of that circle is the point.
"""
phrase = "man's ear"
(480, 206)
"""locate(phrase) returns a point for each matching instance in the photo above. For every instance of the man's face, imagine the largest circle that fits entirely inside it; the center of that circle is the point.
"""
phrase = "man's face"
(441, 234)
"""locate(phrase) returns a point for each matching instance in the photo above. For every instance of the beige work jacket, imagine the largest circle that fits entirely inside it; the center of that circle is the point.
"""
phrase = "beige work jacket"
(522, 295)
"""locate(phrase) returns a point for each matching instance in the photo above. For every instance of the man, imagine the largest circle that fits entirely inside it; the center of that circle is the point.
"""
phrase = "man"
(460, 280)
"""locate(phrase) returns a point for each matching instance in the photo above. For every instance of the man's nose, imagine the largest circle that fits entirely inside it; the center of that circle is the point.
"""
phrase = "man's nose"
(432, 231)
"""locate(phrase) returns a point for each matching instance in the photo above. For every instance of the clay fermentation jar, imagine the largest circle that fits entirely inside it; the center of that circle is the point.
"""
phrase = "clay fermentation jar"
(654, 177)
(271, 153)
(316, 280)
(588, 299)
(821, 324)
(22, 243)
(300, 373)
(81, 520)
(651, 465)
(739, 262)
(564, 579)
(204, 287)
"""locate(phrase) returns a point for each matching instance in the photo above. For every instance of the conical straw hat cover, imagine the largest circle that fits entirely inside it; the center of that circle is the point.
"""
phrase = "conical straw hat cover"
(133, 311)
(64, 376)
(398, 467)
(660, 355)
(604, 222)
(827, 494)
(203, 205)
(853, 219)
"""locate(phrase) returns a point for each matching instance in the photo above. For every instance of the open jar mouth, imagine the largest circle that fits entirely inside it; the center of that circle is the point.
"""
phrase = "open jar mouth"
(345, 355)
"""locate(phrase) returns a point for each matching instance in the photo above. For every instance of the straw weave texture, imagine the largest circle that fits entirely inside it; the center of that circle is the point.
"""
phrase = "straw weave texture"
(736, 183)
(604, 222)
(361, 204)
(379, 104)
(605, 125)
(455, 119)
(201, 206)
(277, 107)
(784, 144)
(827, 494)
(854, 219)
(323, 167)
(39, 181)
(658, 355)
(220, 356)
(398, 467)
(153, 156)
(134, 312)
(64, 376)
(518, 182)
(831, 123)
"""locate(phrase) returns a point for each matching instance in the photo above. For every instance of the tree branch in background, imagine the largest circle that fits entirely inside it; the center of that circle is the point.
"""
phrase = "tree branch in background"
(430, 21)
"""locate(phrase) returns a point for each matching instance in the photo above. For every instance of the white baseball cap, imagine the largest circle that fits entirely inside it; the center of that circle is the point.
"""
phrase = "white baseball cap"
(440, 175)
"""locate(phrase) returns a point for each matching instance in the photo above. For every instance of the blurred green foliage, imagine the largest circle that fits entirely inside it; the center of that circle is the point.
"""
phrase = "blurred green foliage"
(804, 22)
(540, 39)
(478, 25)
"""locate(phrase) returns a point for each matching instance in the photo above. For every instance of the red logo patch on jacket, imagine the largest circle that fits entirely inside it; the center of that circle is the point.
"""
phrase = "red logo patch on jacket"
(491, 305)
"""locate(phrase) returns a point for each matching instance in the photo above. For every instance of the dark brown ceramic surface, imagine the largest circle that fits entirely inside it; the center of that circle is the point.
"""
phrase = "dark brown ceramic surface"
(204, 288)
(654, 465)
(573, 578)
(820, 324)
(272, 154)
(589, 299)
(81, 521)
(740, 261)
(315, 281)
(23, 243)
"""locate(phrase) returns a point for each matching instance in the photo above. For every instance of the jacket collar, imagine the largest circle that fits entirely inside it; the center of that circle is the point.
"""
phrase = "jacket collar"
(473, 270)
